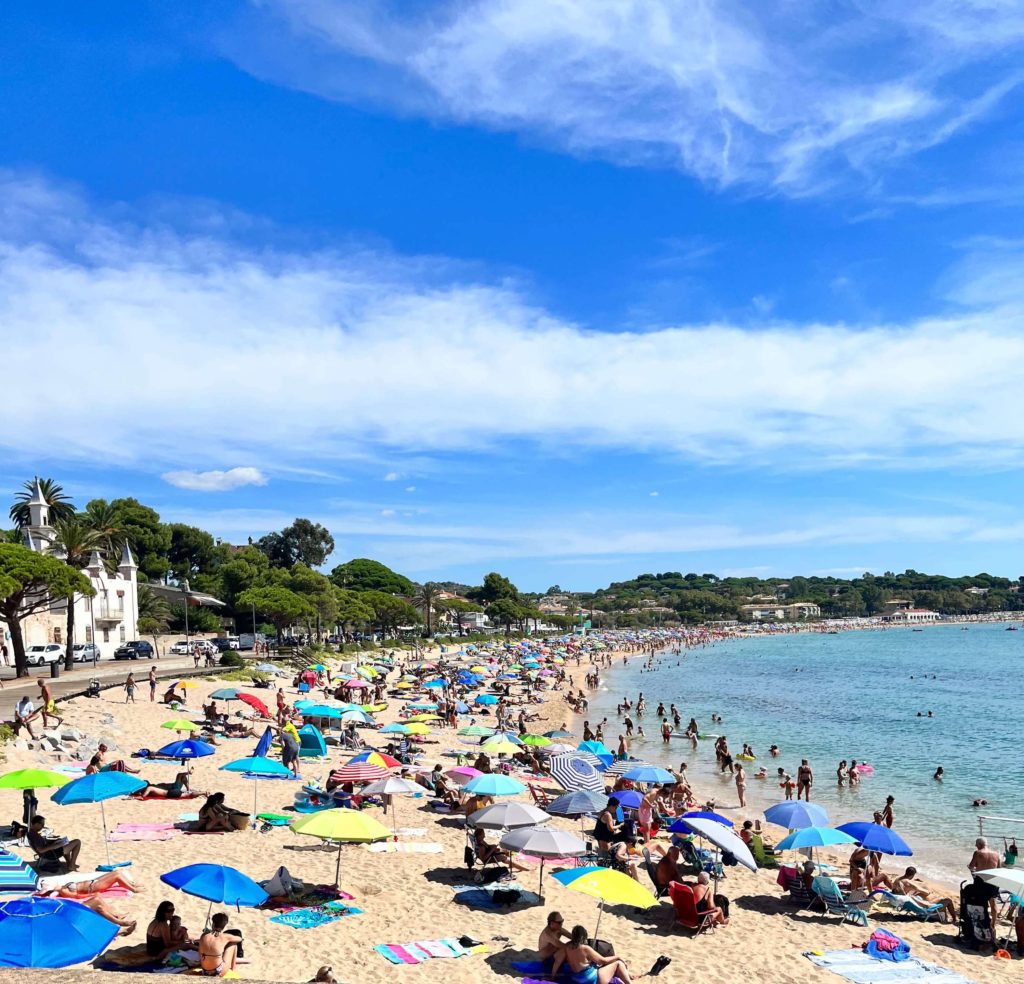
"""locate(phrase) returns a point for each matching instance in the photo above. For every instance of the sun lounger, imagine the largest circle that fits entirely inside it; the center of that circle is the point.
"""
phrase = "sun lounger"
(910, 906)
(828, 891)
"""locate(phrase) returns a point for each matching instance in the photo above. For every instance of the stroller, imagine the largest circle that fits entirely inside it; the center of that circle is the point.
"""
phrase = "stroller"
(975, 916)
(94, 688)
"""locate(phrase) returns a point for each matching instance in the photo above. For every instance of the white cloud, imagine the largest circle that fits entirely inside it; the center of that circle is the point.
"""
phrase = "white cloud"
(410, 488)
(653, 494)
(91, 300)
(392, 477)
(215, 481)
(387, 513)
(787, 94)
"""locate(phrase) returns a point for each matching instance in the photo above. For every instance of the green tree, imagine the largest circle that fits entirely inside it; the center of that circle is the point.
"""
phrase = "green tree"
(154, 614)
(352, 610)
(319, 591)
(304, 542)
(390, 612)
(246, 569)
(281, 605)
(504, 611)
(494, 588)
(190, 552)
(75, 540)
(140, 526)
(424, 600)
(363, 574)
(60, 504)
(456, 609)
(28, 583)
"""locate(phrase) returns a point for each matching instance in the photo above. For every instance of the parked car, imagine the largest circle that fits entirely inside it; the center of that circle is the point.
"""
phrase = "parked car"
(180, 648)
(136, 649)
(85, 652)
(44, 654)
(222, 645)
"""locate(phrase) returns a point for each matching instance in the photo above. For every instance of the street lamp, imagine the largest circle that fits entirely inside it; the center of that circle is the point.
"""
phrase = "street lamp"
(184, 592)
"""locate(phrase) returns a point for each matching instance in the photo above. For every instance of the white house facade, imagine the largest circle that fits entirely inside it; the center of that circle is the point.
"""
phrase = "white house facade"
(108, 618)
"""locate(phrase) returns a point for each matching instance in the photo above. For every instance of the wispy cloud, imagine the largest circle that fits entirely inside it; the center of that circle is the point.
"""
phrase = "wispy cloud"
(215, 481)
(91, 299)
(787, 95)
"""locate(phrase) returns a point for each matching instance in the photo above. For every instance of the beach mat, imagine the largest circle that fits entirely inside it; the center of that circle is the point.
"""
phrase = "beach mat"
(313, 917)
(480, 897)
(397, 847)
(858, 967)
(422, 950)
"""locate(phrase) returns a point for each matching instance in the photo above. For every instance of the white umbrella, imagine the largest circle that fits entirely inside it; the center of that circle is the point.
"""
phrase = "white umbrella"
(544, 842)
(1009, 879)
(392, 786)
(723, 838)
(507, 816)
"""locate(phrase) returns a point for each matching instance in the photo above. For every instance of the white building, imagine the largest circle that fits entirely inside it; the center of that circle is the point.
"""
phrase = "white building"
(911, 616)
(109, 618)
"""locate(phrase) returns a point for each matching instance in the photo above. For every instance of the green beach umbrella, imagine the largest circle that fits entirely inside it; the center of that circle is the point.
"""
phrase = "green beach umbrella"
(32, 779)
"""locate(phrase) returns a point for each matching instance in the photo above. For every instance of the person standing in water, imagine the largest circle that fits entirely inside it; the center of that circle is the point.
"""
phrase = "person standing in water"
(740, 775)
(804, 780)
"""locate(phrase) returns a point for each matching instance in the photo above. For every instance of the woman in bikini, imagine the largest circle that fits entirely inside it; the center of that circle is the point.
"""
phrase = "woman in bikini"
(167, 790)
(587, 966)
(218, 949)
(158, 932)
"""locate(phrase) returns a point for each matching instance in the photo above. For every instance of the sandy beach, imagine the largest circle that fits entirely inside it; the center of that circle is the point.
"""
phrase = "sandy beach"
(406, 897)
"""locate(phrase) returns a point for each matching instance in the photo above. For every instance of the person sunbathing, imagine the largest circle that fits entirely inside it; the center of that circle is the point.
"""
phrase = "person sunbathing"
(91, 886)
(905, 887)
(586, 964)
(218, 949)
(167, 790)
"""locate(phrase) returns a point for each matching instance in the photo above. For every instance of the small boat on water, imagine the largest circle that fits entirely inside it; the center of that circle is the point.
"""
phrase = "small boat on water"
(1011, 628)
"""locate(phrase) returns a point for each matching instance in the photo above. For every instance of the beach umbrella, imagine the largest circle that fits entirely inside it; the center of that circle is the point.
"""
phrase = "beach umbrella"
(32, 779)
(599, 749)
(813, 837)
(358, 772)
(417, 728)
(185, 685)
(187, 748)
(266, 668)
(97, 788)
(216, 883)
(356, 714)
(263, 745)
(499, 746)
(461, 707)
(507, 816)
(589, 757)
(395, 729)
(607, 886)
(256, 704)
(393, 786)
(494, 785)
(558, 733)
(181, 725)
(476, 731)
(649, 774)
(723, 838)
(538, 741)
(44, 932)
(704, 815)
(344, 827)
(560, 748)
(355, 685)
(485, 699)
(623, 766)
(463, 774)
(225, 693)
(794, 815)
(507, 736)
(571, 772)
(543, 843)
(16, 876)
(1008, 879)
(629, 798)
(436, 683)
(256, 767)
(415, 718)
(876, 837)
(376, 758)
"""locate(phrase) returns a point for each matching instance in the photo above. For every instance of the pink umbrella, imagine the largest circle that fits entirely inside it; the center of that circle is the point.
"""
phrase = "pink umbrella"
(356, 684)
(463, 774)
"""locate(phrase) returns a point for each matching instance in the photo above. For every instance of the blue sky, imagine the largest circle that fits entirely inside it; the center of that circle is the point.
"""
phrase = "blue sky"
(571, 289)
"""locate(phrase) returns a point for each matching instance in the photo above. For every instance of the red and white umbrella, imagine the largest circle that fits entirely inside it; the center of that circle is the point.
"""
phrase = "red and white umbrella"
(358, 772)
(256, 704)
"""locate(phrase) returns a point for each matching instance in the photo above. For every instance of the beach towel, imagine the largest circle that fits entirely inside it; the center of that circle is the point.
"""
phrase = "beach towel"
(883, 945)
(858, 967)
(126, 827)
(478, 897)
(166, 799)
(142, 832)
(317, 916)
(188, 817)
(421, 950)
(397, 847)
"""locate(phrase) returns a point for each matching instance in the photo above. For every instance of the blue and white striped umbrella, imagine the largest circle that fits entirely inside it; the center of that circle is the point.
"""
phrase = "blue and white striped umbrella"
(618, 768)
(574, 772)
(16, 877)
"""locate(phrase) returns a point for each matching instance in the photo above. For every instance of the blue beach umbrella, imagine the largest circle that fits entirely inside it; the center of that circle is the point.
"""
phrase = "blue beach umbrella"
(16, 877)
(436, 683)
(216, 883)
(96, 788)
(461, 708)
(256, 767)
(577, 803)
(794, 815)
(558, 733)
(43, 932)
(225, 693)
(494, 785)
(188, 748)
(875, 837)
(263, 745)
(629, 798)
(572, 772)
(680, 824)
(394, 729)
(649, 773)
(486, 699)
(814, 837)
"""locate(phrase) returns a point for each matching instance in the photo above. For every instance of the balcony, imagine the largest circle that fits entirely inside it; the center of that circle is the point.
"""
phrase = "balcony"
(103, 611)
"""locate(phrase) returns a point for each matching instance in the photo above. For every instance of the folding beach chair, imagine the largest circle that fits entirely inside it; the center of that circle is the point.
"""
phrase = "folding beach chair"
(652, 873)
(686, 909)
(828, 891)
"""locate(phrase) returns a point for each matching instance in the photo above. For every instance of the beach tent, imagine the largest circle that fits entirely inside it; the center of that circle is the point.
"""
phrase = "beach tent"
(311, 742)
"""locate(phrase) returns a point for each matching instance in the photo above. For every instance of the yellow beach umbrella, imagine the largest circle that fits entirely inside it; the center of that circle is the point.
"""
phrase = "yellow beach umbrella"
(185, 685)
(424, 717)
(607, 886)
(403, 686)
(345, 827)
(416, 728)
(500, 746)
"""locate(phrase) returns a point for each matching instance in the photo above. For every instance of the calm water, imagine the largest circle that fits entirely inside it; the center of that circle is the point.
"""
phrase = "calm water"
(855, 696)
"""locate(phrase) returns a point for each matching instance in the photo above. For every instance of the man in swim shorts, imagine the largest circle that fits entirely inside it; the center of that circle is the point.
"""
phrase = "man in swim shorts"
(984, 859)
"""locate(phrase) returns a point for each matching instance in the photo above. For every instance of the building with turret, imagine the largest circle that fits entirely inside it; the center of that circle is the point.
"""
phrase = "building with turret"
(109, 618)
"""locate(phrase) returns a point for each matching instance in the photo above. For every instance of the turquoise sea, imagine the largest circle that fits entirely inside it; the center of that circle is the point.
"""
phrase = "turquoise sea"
(855, 695)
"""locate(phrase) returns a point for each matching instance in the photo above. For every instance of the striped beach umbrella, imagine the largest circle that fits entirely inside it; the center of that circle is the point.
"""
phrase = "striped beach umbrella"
(358, 772)
(622, 767)
(589, 757)
(375, 758)
(572, 772)
(16, 877)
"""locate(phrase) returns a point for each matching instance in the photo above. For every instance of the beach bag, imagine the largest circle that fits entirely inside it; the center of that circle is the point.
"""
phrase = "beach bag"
(282, 884)
(506, 896)
(469, 856)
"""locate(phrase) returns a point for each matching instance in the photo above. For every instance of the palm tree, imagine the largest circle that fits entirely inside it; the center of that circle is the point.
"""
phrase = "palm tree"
(60, 504)
(154, 613)
(424, 600)
(103, 518)
(76, 540)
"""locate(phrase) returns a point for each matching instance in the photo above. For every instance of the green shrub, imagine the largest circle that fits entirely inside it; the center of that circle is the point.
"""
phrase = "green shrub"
(231, 658)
